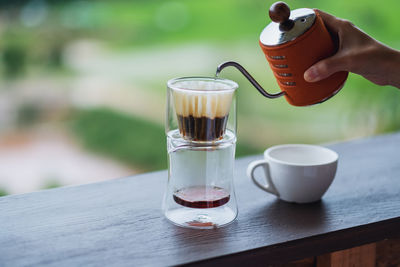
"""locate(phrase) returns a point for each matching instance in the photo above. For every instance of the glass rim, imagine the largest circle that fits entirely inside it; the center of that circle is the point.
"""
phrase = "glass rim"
(233, 85)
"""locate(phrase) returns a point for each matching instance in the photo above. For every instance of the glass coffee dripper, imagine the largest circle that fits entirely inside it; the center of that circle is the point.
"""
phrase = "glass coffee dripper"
(201, 141)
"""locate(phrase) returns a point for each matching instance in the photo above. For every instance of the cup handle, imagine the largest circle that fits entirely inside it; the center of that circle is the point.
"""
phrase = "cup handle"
(269, 187)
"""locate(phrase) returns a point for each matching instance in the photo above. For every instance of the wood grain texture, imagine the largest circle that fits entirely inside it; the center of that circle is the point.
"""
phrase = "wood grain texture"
(388, 253)
(309, 262)
(119, 222)
(359, 256)
(381, 254)
(364, 256)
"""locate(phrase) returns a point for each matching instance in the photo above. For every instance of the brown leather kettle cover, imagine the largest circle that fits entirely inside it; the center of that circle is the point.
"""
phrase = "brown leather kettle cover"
(290, 60)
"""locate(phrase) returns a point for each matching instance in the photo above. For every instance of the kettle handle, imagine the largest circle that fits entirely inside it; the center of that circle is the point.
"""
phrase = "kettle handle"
(249, 77)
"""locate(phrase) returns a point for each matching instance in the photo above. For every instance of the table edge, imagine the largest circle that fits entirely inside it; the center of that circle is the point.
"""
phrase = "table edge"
(309, 246)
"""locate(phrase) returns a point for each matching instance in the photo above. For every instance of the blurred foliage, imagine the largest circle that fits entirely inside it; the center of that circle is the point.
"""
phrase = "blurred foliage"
(3, 192)
(161, 22)
(14, 60)
(28, 114)
(20, 3)
(45, 26)
(134, 141)
(366, 101)
(245, 149)
(51, 183)
(36, 33)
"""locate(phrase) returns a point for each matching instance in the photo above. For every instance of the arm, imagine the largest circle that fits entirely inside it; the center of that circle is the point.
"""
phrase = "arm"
(358, 53)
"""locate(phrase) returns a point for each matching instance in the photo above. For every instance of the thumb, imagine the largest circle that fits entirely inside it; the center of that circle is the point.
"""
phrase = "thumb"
(324, 68)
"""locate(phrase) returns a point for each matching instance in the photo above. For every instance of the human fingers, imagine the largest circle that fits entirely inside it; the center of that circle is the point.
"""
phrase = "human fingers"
(330, 21)
(325, 68)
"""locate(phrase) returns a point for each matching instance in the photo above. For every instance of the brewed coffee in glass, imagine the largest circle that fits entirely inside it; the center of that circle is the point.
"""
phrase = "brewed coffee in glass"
(201, 140)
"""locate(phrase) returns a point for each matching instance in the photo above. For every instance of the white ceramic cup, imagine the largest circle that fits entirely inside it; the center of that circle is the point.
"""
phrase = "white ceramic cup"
(296, 173)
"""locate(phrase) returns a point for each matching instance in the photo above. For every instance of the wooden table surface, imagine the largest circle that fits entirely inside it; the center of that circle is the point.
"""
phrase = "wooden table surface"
(119, 222)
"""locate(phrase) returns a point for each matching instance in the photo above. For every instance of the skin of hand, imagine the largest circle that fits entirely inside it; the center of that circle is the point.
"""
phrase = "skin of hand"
(358, 53)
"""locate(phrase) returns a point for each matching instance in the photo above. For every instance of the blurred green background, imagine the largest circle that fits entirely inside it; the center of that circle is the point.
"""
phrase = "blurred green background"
(92, 75)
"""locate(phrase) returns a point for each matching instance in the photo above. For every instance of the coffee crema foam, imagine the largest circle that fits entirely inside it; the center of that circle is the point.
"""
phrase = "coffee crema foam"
(214, 99)
(202, 109)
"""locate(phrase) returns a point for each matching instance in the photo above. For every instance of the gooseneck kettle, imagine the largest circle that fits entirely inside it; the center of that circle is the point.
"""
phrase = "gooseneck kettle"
(293, 42)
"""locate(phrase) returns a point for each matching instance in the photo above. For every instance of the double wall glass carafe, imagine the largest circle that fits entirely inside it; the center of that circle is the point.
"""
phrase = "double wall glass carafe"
(201, 141)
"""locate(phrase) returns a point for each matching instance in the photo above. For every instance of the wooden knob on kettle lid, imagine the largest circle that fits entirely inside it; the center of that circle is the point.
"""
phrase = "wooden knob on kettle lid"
(279, 12)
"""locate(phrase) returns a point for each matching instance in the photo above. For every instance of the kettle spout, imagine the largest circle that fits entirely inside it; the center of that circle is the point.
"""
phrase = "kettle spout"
(248, 76)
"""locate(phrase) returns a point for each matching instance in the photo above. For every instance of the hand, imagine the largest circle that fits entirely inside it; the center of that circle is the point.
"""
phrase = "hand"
(358, 53)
